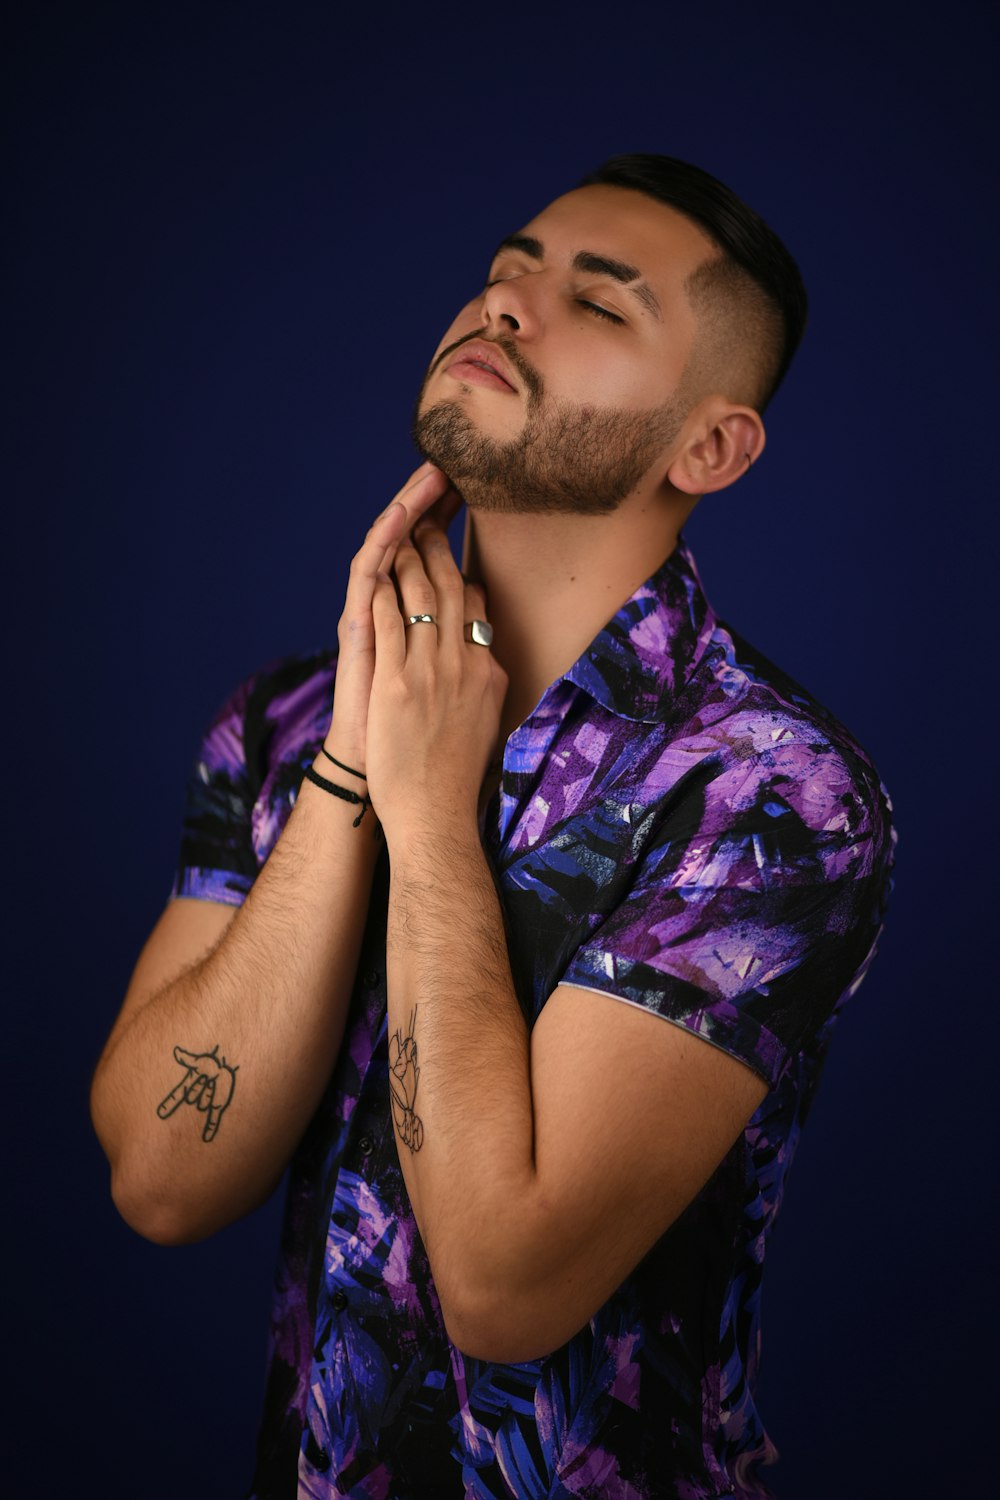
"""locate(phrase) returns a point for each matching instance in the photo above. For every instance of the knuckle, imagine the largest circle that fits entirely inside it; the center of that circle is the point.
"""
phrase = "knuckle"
(354, 629)
(430, 537)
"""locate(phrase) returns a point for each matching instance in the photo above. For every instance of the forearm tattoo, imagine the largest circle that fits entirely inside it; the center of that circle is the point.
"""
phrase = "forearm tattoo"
(208, 1084)
(404, 1074)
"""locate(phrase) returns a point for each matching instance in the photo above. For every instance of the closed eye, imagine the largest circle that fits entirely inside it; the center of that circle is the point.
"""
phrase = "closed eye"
(595, 307)
(601, 312)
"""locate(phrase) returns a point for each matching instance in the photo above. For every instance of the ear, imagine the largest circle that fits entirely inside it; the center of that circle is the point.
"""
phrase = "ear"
(726, 441)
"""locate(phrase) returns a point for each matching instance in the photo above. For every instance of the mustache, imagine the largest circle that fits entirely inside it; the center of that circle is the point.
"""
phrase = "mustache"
(530, 376)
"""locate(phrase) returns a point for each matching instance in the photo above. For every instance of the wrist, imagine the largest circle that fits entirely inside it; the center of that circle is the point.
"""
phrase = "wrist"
(430, 837)
(336, 789)
(332, 762)
(339, 755)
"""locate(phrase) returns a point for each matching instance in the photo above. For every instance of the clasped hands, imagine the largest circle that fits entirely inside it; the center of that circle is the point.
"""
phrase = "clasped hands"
(417, 706)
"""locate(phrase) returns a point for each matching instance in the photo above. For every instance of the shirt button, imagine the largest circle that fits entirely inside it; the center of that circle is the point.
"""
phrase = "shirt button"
(339, 1301)
(371, 979)
(365, 1145)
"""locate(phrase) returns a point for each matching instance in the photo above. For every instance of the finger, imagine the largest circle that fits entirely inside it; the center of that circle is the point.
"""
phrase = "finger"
(416, 592)
(207, 1095)
(390, 638)
(224, 1085)
(474, 602)
(420, 491)
(186, 1059)
(420, 506)
(443, 579)
(173, 1101)
(424, 487)
(377, 552)
(417, 499)
(444, 511)
(212, 1123)
(178, 1094)
(474, 607)
(417, 597)
(193, 1091)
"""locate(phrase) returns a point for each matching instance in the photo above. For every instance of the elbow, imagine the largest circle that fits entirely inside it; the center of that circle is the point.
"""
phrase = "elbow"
(505, 1298)
(143, 1204)
(503, 1320)
(511, 1337)
(167, 1215)
(154, 1216)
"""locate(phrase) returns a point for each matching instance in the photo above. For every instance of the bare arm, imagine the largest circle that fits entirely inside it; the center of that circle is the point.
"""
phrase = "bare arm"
(242, 1014)
(541, 1165)
(269, 996)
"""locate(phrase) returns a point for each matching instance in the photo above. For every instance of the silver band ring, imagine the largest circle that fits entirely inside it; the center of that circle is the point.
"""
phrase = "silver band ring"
(479, 632)
(420, 620)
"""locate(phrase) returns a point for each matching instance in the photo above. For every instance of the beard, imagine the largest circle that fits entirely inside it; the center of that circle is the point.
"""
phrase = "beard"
(573, 460)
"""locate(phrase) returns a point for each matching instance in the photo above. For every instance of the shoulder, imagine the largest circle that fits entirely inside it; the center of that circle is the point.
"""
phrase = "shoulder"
(248, 770)
(780, 759)
(762, 850)
(277, 709)
(292, 687)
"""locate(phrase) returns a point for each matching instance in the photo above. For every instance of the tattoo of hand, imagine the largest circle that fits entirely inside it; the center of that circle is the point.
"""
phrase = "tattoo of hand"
(403, 1076)
(208, 1084)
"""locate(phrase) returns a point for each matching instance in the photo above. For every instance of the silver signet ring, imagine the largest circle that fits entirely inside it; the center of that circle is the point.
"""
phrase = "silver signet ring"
(479, 632)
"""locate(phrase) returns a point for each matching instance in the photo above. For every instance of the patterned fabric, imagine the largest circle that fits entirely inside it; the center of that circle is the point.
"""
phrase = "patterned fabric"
(680, 826)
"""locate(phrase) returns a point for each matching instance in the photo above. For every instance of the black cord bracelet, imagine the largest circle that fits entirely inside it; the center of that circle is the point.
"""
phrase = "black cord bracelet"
(359, 774)
(338, 791)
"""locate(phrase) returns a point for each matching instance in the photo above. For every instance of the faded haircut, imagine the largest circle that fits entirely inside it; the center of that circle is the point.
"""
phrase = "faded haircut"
(749, 300)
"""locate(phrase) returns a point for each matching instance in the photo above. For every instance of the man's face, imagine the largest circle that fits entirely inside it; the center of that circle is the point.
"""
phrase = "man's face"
(588, 330)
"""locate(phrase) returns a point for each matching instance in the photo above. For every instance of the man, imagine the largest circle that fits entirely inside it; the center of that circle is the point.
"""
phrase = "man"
(442, 889)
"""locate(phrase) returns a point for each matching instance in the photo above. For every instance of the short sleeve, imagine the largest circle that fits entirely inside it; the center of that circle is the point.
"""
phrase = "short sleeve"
(217, 860)
(751, 927)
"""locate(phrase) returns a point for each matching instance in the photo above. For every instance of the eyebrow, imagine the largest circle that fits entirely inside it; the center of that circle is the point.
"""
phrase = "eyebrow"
(587, 260)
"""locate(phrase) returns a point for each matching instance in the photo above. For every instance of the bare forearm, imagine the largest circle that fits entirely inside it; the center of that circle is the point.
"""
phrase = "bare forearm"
(272, 999)
(450, 988)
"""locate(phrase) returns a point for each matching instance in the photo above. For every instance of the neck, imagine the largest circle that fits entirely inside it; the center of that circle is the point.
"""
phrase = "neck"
(553, 581)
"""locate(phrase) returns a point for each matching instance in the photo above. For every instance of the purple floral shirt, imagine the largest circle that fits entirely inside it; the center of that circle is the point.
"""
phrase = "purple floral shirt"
(680, 826)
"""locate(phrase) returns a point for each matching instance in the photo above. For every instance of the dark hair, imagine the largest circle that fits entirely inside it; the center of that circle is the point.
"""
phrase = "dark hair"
(754, 291)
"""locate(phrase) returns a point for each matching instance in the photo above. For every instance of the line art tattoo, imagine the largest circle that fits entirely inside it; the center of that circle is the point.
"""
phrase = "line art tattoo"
(404, 1074)
(208, 1084)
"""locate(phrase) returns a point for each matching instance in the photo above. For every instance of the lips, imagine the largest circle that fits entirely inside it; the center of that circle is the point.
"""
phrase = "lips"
(477, 356)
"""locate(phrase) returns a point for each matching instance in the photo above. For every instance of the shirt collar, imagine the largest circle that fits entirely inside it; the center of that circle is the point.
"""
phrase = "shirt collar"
(645, 654)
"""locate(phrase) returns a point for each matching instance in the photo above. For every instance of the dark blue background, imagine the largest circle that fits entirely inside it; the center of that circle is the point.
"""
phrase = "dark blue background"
(235, 234)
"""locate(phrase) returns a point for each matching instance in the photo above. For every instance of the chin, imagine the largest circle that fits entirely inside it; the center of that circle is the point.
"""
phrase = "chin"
(446, 435)
(565, 463)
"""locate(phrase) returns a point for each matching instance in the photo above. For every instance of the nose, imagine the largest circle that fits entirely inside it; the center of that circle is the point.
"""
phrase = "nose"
(508, 304)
